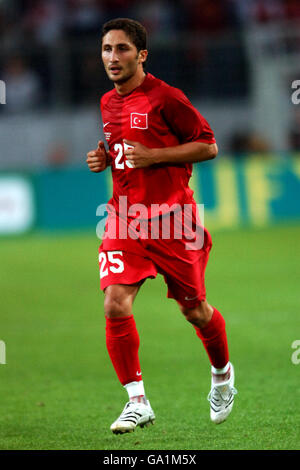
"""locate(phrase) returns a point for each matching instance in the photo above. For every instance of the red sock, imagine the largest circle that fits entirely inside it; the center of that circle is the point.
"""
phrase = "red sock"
(214, 339)
(122, 342)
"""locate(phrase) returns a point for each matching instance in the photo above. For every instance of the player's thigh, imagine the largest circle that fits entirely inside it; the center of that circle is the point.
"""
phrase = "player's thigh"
(186, 280)
(183, 270)
(121, 275)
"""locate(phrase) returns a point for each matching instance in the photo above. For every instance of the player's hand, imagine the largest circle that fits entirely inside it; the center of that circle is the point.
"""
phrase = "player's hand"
(138, 154)
(98, 159)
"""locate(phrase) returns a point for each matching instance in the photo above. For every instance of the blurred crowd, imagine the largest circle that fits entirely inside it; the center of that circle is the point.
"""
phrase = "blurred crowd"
(47, 21)
(49, 49)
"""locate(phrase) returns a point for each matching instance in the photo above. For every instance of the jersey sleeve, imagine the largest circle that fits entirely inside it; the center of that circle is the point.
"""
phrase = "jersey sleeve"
(185, 120)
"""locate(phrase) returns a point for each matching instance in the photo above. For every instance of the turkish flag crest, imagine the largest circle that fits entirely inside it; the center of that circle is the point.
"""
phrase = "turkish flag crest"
(139, 121)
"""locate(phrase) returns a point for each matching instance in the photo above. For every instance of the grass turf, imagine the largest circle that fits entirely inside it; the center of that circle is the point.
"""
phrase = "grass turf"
(58, 389)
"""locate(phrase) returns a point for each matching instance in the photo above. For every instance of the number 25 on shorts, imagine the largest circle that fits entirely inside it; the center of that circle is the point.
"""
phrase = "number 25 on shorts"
(110, 261)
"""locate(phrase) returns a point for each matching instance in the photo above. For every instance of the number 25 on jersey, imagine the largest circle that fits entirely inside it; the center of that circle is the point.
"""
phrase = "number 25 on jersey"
(119, 160)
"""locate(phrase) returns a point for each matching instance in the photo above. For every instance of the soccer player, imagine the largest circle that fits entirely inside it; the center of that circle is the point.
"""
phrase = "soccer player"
(154, 135)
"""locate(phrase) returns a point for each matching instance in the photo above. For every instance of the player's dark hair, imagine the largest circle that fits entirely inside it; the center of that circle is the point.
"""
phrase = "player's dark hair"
(134, 30)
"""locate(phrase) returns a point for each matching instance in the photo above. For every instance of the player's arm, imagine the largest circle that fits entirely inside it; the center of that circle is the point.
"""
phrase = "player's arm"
(99, 159)
(191, 152)
(141, 156)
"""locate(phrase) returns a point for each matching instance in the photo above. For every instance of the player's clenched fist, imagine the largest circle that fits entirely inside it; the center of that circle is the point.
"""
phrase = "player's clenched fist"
(138, 155)
(98, 159)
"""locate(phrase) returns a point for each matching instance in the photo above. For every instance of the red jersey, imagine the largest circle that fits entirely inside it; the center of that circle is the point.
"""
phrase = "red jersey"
(157, 115)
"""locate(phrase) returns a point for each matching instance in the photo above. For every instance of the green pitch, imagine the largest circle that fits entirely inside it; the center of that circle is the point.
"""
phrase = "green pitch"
(58, 389)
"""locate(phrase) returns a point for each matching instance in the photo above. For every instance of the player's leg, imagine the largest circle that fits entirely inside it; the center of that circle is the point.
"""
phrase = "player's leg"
(210, 328)
(122, 342)
(122, 338)
(121, 275)
(184, 272)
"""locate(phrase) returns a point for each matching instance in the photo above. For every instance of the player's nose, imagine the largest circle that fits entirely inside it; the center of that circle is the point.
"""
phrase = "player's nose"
(114, 56)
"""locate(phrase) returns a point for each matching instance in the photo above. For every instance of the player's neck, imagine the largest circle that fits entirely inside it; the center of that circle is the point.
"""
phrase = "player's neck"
(131, 84)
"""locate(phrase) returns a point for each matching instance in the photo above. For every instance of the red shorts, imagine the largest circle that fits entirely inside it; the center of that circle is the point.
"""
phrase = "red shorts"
(129, 261)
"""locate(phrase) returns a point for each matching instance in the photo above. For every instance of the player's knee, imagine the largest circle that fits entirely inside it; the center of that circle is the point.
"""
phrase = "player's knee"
(116, 306)
(198, 316)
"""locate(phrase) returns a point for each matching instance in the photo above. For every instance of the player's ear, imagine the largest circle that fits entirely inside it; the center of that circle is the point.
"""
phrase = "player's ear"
(143, 54)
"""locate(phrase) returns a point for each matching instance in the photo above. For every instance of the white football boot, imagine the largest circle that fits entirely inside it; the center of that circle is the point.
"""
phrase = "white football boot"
(133, 415)
(221, 398)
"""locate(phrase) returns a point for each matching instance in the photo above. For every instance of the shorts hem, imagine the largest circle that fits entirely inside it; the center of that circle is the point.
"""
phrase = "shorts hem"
(188, 303)
(104, 285)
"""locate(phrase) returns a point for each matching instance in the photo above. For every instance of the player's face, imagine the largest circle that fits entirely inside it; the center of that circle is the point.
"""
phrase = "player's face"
(120, 56)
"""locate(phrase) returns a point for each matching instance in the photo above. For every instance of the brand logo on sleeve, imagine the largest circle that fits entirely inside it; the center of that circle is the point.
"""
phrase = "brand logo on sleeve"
(139, 121)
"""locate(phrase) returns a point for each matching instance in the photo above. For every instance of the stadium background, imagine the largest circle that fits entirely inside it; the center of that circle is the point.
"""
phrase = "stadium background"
(237, 62)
